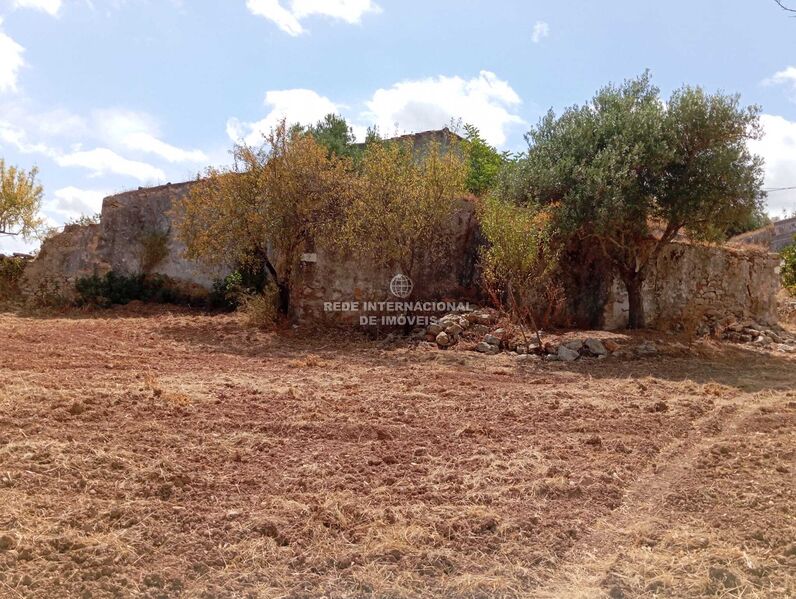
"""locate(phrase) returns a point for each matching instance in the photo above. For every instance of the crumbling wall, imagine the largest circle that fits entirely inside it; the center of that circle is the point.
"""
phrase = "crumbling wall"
(65, 257)
(328, 277)
(690, 284)
(116, 243)
(128, 217)
(776, 236)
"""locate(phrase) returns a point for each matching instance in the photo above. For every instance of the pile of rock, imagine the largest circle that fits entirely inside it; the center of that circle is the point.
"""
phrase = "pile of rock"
(479, 327)
(770, 337)
(448, 330)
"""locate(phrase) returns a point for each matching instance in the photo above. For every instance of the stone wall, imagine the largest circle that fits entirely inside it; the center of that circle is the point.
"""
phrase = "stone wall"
(776, 236)
(327, 277)
(116, 245)
(690, 284)
(116, 242)
(64, 258)
(128, 217)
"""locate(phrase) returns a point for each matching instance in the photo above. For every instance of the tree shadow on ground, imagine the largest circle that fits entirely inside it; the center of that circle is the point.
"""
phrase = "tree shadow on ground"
(727, 364)
(702, 362)
(135, 310)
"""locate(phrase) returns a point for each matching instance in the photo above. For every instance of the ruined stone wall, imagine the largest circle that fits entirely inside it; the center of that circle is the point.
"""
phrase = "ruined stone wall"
(116, 243)
(64, 258)
(776, 236)
(128, 217)
(694, 283)
(328, 277)
(688, 282)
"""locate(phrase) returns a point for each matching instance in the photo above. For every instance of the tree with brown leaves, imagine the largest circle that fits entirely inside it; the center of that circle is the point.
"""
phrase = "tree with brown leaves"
(264, 210)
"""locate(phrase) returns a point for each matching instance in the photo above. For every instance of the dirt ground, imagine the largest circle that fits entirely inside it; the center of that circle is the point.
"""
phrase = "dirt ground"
(157, 453)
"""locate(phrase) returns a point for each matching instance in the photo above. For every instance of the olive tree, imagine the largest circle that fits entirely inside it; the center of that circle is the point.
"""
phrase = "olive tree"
(630, 173)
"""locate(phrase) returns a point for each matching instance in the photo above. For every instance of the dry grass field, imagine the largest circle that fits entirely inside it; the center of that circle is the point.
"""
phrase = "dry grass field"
(155, 453)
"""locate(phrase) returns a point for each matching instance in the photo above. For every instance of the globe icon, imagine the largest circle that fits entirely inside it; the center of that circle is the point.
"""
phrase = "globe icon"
(401, 286)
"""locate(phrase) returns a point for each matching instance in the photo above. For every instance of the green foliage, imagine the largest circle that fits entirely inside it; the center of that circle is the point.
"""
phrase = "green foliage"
(788, 272)
(84, 220)
(520, 257)
(154, 249)
(20, 201)
(115, 288)
(228, 293)
(11, 271)
(484, 162)
(334, 133)
(749, 222)
(630, 172)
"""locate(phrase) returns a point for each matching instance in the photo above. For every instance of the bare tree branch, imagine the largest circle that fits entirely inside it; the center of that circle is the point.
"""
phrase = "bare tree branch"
(783, 7)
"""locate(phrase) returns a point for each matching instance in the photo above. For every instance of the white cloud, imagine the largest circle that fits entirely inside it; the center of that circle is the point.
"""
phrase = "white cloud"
(272, 10)
(484, 101)
(118, 138)
(786, 77)
(102, 161)
(11, 61)
(49, 6)
(11, 135)
(289, 20)
(778, 147)
(302, 106)
(139, 132)
(540, 31)
(409, 106)
(72, 202)
(146, 142)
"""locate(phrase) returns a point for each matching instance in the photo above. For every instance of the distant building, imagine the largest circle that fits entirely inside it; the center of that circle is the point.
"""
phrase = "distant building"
(776, 236)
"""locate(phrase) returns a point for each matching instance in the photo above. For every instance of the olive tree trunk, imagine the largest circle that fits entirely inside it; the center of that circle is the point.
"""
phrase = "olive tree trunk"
(634, 282)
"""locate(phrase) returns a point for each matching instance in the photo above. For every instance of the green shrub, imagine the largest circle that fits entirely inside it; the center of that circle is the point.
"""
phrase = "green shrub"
(48, 294)
(228, 293)
(11, 270)
(788, 271)
(115, 288)
(154, 249)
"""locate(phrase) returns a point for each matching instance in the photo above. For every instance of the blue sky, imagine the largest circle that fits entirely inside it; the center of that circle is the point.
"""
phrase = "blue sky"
(108, 95)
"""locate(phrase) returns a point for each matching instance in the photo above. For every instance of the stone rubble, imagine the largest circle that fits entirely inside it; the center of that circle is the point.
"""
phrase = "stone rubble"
(772, 337)
(481, 327)
(568, 354)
